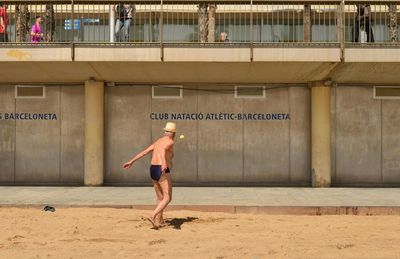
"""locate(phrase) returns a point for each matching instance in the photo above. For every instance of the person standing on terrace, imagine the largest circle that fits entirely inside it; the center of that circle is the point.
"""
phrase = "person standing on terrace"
(124, 14)
(363, 21)
(223, 37)
(36, 31)
(3, 23)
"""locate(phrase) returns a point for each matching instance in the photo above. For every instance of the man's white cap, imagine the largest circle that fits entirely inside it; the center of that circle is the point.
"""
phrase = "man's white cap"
(170, 127)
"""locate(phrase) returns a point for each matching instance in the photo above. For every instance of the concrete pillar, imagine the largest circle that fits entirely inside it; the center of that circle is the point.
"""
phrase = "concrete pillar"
(307, 22)
(211, 22)
(21, 16)
(94, 132)
(393, 23)
(340, 28)
(320, 134)
(111, 20)
(203, 22)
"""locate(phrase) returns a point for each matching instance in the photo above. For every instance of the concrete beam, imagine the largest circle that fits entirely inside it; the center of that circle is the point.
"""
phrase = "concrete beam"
(296, 55)
(91, 54)
(94, 132)
(36, 54)
(376, 55)
(194, 54)
(320, 134)
(206, 55)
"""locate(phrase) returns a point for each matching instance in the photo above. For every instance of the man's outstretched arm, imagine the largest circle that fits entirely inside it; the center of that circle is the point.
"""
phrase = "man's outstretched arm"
(138, 156)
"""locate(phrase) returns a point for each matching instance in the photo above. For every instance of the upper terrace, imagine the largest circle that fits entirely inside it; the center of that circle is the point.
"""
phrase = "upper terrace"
(321, 34)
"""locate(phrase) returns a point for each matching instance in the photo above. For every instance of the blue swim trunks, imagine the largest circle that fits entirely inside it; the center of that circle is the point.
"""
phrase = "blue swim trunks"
(156, 173)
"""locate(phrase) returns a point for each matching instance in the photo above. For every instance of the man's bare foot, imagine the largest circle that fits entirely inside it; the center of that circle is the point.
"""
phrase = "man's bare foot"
(152, 221)
(160, 220)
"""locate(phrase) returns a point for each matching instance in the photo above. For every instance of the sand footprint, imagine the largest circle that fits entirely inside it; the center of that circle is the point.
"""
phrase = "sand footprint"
(15, 237)
(156, 242)
(343, 246)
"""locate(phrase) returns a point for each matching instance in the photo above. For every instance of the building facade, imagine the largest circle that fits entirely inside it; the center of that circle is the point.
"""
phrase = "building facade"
(290, 99)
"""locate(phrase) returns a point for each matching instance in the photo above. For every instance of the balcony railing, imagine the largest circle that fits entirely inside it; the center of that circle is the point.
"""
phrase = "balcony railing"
(193, 22)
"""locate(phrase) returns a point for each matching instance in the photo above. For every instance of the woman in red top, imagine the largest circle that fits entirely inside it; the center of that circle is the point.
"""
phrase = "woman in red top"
(3, 23)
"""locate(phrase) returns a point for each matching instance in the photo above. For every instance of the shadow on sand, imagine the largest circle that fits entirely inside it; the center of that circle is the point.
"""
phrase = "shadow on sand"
(176, 223)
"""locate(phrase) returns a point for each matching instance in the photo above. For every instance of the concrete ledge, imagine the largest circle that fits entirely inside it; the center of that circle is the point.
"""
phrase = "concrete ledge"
(36, 54)
(185, 54)
(267, 210)
(117, 54)
(296, 55)
(207, 54)
(318, 211)
(285, 210)
(372, 55)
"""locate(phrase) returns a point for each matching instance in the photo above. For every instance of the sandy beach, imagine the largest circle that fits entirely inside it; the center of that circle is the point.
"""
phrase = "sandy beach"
(125, 233)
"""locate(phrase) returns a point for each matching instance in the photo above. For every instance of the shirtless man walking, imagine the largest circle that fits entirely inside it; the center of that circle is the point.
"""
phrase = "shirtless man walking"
(161, 164)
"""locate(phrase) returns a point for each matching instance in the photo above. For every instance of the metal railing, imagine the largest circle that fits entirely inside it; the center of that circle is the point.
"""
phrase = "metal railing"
(369, 23)
(184, 22)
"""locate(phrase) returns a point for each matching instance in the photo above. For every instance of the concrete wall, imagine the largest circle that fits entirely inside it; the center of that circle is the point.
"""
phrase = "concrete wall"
(221, 152)
(127, 131)
(365, 139)
(37, 148)
(267, 144)
(220, 143)
(72, 134)
(7, 136)
(43, 151)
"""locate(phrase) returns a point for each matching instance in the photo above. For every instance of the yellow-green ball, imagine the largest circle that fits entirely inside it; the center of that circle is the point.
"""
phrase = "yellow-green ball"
(182, 136)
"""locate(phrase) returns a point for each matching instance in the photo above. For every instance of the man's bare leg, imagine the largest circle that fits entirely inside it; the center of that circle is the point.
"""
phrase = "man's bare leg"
(166, 186)
(159, 194)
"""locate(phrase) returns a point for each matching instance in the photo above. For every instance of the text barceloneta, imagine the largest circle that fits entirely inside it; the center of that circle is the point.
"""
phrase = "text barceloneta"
(220, 116)
(28, 116)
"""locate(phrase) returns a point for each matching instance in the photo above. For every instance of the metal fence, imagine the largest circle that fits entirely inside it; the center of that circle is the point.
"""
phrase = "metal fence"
(203, 22)
(369, 23)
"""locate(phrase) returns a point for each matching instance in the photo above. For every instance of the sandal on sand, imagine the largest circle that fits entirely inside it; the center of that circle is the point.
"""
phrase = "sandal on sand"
(155, 226)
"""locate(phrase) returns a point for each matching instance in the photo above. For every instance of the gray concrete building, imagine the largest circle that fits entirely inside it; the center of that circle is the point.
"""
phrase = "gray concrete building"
(310, 110)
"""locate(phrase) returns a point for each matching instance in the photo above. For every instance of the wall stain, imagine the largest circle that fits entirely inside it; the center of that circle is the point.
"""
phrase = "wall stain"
(19, 54)
(7, 146)
(7, 140)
